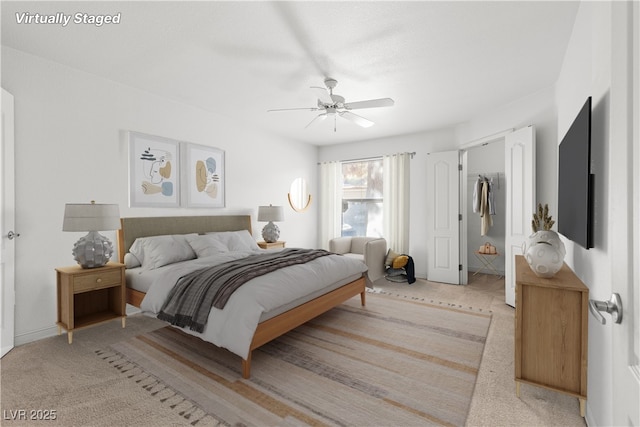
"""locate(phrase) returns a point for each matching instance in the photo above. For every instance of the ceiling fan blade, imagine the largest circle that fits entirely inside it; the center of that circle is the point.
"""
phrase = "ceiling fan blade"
(371, 103)
(323, 95)
(359, 120)
(319, 117)
(294, 109)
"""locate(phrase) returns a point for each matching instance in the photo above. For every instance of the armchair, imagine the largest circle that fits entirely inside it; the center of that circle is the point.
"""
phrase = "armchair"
(371, 250)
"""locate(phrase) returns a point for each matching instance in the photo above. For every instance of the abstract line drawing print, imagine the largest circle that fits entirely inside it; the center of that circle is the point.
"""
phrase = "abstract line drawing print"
(156, 167)
(153, 171)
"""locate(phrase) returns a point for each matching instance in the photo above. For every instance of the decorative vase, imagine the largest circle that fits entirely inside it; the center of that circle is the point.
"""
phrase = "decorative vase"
(544, 252)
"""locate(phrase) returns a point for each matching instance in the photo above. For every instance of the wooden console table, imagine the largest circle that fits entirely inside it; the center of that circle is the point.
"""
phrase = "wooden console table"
(551, 329)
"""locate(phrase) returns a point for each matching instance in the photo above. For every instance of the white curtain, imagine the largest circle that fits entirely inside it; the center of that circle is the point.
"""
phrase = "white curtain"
(330, 202)
(396, 201)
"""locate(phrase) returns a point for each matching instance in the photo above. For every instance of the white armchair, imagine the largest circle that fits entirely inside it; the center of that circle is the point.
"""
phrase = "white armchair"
(371, 250)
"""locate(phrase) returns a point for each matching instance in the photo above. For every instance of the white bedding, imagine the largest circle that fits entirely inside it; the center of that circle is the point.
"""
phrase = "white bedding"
(233, 327)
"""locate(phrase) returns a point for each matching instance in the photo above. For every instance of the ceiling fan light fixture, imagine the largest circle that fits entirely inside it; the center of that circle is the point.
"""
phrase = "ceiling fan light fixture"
(335, 105)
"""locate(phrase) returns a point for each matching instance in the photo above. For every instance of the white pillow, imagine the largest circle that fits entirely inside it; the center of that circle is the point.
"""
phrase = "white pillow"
(131, 261)
(157, 251)
(206, 245)
(236, 241)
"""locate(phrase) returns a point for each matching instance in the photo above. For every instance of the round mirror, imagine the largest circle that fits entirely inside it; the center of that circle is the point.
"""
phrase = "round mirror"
(299, 197)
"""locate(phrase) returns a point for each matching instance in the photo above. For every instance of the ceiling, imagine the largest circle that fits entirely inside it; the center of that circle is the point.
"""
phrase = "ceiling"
(442, 62)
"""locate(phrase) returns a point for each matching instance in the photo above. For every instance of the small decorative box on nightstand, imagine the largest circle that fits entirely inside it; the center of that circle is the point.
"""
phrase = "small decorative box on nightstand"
(273, 245)
(88, 296)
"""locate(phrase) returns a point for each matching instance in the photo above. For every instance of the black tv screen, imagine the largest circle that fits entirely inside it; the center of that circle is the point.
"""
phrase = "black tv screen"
(575, 181)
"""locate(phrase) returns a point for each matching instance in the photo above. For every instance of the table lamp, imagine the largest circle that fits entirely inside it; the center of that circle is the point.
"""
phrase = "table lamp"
(93, 250)
(270, 232)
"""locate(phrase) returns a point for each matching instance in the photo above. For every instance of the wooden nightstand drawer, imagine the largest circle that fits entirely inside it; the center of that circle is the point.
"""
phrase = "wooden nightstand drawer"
(98, 280)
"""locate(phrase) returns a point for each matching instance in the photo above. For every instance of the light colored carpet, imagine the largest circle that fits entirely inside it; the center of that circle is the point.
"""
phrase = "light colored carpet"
(86, 391)
(494, 401)
(396, 361)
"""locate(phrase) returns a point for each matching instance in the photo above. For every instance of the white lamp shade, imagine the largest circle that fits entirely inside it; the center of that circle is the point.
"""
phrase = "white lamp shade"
(270, 213)
(91, 217)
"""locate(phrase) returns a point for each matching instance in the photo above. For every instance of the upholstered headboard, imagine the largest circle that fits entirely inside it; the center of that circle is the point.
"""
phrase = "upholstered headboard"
(132, 228)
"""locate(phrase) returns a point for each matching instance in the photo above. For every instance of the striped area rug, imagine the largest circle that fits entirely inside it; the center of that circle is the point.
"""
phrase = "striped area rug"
(395, 362)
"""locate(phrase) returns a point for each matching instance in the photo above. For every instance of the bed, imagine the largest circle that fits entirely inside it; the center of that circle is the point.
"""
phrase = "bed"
(301, 294)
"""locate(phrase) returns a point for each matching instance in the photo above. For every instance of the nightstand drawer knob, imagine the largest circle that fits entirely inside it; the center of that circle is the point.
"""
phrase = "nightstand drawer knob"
(98, 280)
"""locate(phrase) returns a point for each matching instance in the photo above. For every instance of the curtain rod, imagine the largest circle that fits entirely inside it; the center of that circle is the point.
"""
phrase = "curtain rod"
(364, 159)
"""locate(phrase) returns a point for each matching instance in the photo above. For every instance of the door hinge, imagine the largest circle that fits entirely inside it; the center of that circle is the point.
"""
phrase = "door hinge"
(459, 267)
(459, 217)
(460, 167)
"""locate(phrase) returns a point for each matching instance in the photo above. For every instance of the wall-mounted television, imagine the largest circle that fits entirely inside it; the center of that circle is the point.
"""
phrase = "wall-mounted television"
(575, 181)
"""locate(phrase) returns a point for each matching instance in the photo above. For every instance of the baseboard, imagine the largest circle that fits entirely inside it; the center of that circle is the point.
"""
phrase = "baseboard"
(28, 337)
(472, 270)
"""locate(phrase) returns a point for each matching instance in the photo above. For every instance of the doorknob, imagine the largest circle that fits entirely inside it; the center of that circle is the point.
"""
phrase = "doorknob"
(613, 307)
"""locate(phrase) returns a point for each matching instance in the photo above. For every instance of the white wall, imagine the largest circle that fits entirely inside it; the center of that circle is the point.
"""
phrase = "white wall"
(421, 144)
(71, 146)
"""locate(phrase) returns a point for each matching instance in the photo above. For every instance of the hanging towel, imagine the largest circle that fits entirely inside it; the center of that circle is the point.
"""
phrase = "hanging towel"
(477, 193)
(490, 199)
(485, 217)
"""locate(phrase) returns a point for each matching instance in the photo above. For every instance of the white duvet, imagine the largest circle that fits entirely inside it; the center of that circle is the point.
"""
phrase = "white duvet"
(265, 296)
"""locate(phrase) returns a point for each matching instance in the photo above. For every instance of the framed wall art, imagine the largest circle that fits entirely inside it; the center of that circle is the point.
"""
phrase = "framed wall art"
(203, 176)
(154, 175)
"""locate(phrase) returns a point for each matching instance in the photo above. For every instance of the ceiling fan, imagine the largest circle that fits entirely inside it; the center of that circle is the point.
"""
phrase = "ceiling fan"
(334, 105)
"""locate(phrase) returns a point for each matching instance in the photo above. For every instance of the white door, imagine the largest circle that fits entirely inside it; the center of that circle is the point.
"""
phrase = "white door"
(520, 171)
(443, 224)
(625, 125)
(7, 290)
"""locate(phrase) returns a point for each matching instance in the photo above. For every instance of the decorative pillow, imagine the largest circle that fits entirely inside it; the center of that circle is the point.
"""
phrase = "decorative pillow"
(157, 251)
(400, 261)
(391, 255)
(130, 261)
(206, 245)
(236, 241)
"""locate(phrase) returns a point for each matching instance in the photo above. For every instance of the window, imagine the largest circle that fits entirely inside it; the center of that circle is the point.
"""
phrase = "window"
(362, 198)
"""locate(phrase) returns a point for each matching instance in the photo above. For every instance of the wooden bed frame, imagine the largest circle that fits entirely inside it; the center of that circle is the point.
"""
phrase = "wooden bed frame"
(132, 228)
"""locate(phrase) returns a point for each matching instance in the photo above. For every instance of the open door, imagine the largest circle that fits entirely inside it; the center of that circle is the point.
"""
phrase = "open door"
(520, 171)
(7, 245)
(624, 350)
(443, 220)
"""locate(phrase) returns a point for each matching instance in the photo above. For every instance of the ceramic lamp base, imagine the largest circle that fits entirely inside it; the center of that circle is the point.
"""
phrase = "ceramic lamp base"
(270, 232)
(93, 250)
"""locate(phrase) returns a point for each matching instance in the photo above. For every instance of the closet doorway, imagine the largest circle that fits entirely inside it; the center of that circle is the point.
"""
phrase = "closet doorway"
(485, 228)
(514, 153)
(449, 183)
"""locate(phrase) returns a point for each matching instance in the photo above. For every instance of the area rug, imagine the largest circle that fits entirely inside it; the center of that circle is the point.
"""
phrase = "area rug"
(396, 361)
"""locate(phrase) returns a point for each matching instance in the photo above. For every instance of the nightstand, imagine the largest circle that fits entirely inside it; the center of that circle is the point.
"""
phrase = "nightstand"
(88, 296)
(273, 245)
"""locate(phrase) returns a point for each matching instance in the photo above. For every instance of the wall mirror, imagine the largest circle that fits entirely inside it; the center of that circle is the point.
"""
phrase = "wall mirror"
(299, 197)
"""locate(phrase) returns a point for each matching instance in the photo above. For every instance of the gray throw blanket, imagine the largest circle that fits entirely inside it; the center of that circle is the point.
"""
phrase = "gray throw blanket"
(191, 299)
